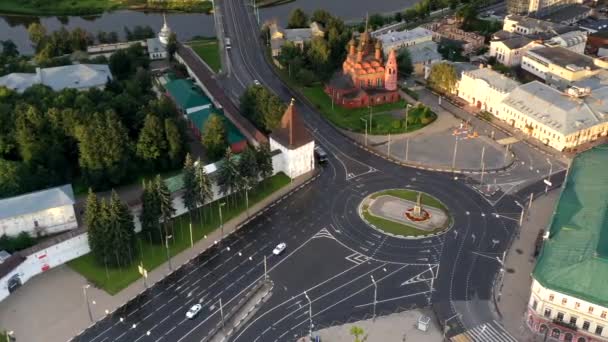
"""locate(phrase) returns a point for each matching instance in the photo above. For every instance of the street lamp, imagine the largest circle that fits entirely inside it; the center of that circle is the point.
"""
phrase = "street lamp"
(454, 156)
(407, 112)
(362, 119)
(167, 237)
(221, 221)
(247, 188)
(371, 116)
(86, 299)
(521, 217)
(548, 181)
(375, 296)
(309, 313)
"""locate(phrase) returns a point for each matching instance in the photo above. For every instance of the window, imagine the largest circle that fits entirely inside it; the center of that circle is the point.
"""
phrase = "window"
(534, 304)
(586, 325)
(548, 313)
(603, 315)
(591, 309)
(577, 305)
(599, 329)
(573, 320)
(564, 300)
(551, 297)
(560, 316)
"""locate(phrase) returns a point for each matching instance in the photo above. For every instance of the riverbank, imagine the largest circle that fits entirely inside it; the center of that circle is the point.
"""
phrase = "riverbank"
(89, 7)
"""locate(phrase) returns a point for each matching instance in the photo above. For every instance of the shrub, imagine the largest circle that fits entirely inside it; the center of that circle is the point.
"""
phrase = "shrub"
(396, 124)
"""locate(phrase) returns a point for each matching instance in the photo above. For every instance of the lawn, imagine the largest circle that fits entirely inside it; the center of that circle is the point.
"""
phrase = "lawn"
(83, 7)
(396, 228)
(208, 50)
(113, 280)
(384, 120)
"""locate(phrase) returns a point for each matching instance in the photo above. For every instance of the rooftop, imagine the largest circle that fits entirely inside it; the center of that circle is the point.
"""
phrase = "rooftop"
(574, 259)
(186, 94)
(565, 58)
(568, 14)
(292, 132)
(298, 34)
(557, 110)
(396, 37)
(36, 201)
(78, 76)
(494, 79)
(514, 41)
(424, 52)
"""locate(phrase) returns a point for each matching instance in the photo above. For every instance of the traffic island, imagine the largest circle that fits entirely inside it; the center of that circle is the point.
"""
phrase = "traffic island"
(405, 213)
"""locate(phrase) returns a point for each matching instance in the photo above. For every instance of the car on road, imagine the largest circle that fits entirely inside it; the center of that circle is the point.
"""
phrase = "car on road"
(227, 41)
(279, 248)
(256, 82)
(194, 310)
(320, 154)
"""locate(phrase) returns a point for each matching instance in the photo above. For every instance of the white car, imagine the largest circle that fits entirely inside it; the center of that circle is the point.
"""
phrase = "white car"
(279, 248)
(256, 82)
(194, 310)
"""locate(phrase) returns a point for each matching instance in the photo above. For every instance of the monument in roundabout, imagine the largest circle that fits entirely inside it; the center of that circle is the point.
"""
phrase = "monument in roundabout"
(405, 213)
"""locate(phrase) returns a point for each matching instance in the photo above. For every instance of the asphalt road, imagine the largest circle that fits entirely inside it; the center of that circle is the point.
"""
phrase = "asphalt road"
(332, 254)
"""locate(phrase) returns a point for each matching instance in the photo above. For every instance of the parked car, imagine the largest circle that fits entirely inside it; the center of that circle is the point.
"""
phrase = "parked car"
(194, 310)
(279, 248)
(256, 82)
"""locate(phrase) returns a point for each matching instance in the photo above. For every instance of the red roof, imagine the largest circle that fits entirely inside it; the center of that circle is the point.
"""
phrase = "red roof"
(292, 133)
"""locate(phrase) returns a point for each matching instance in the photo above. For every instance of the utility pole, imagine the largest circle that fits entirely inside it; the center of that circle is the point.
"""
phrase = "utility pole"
(167, 249)
(221, 221)
(86, 299)
(365, 130)
(389, 145)
(191, 239)
(247, 188)
(375, 296)
(371, 116)
(454, 156)
(309, 314)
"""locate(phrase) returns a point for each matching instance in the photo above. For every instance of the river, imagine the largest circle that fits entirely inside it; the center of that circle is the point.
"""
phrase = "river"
(185, 25)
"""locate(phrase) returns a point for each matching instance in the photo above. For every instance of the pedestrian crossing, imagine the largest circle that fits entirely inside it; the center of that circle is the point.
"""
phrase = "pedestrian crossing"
(487, 332)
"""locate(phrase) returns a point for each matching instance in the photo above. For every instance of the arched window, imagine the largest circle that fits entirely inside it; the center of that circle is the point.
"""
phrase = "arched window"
(581, 339)
(555, 333)
(542, 328)
(568, 337)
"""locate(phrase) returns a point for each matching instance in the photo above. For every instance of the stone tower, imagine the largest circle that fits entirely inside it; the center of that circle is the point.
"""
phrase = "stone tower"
(165, 31)
(390, 72)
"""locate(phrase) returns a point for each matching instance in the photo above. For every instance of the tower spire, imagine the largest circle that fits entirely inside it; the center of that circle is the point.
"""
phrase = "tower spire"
(366, 20)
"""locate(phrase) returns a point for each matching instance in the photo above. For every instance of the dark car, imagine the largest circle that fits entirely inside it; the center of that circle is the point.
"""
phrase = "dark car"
(320, 154)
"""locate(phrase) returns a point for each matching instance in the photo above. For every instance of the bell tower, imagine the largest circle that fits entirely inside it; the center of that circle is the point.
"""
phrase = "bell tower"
(390, 72)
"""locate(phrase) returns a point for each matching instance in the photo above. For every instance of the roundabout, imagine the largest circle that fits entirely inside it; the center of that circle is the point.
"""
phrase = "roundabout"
(405, 213)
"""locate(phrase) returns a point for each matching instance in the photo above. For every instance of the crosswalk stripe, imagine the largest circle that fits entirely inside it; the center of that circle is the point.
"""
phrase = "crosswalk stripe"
(489, 332)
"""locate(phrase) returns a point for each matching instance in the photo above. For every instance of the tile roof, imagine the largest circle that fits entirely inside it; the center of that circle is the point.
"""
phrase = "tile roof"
(292, 133)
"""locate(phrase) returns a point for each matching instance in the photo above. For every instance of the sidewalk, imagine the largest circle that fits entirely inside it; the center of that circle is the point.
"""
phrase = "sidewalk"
(397, 327)
(54, 304)
(519, 263)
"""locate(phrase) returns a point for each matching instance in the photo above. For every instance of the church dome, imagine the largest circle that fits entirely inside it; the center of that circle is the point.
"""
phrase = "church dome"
(165, 32)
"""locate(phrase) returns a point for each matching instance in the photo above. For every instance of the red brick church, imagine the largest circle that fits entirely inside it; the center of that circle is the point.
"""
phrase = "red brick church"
(366, 79)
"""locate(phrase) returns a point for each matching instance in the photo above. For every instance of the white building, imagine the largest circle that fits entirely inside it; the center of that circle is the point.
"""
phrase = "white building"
(295, 143)
(401, 39)
(297, 36)
(78, 76)
(559, 62)
(569, 298)
(39, 213)
(562, 120)
(485, 88)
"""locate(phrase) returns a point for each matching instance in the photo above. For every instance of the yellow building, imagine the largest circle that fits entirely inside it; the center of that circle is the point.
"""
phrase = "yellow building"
(560, 63)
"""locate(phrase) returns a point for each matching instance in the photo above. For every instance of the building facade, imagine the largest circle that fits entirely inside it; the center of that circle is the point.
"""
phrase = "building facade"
(568, 300)
(298, 36)
(538, 7)
(559, 62)
(397, 40)
(39, 213)
(366, 79)
(485, 88)
(448, 29)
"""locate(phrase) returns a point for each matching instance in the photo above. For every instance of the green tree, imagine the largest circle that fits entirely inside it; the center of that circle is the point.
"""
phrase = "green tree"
(152, 144)
(262, 107)
(120, 232)
(203, 184)
(264, 161)
(9, 49)
(171, 46)
(190, 194)
(319, 53)
(248, 166)
(214, 137)
(150, 213)
(93, 218)
(404, 62)
(297, 19)
(443, 77)
(358, 333)
(228, 178)
(10, 178)
(467, 14)
(37, 34)
(376, 21)
(175, 145)
(321, 16)
(166, 205)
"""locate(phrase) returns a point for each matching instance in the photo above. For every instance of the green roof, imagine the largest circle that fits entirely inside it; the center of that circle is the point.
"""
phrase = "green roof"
(574, 259)
(186, 94)
(199, 118)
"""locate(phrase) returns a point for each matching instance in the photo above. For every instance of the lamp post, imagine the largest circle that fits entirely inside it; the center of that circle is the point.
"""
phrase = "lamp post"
(191, 239)
(454, 156)
(309, 313)
(247, 188)
(371, 116)
(407, 112)
(221, 221)
(389, 145)
(521, 217)
(375, 296)
(167, 237)
(548, 182)
(86, 299)
(362, 119)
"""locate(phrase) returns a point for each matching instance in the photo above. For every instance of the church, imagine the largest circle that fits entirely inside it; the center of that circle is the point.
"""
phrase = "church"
(366, 78)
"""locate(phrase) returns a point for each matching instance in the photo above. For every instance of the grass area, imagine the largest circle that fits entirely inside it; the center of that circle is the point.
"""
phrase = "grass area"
(153, 255)
(208, 50)
(396, 228)
(384, 120)
(84, 7)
